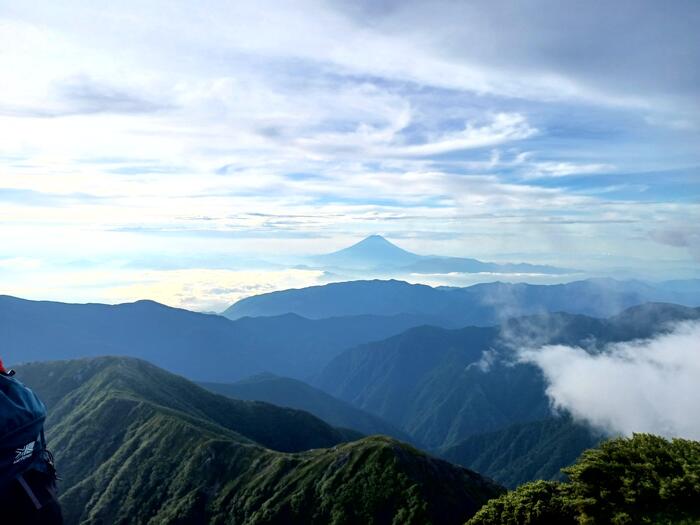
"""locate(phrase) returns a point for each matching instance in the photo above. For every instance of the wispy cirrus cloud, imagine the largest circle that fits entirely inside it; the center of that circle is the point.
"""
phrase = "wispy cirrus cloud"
(504, 128)
(565, 169)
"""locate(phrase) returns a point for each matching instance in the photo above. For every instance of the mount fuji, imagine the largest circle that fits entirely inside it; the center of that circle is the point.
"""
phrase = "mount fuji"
(377, 253)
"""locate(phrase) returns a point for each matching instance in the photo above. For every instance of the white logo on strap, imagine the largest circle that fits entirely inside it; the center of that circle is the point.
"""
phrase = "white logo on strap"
(24, 453)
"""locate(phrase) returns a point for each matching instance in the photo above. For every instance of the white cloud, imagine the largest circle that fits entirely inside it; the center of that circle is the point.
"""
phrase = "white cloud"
(484, 364)
(209, 290)
(14, 264)
(193, 289)
(564, 169)
(504, 128)
(640, 386)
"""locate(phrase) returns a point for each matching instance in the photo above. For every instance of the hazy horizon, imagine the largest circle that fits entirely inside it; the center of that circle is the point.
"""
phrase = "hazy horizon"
(195, 154)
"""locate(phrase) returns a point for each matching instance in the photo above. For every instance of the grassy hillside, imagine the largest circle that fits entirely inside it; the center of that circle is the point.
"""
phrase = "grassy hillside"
(643, 479)
(137, 445)
(292, 393)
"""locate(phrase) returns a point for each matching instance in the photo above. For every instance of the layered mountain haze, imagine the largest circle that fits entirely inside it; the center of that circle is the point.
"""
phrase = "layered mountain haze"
(482, 304)
(138, 445)
(279, 340)
(203, 347)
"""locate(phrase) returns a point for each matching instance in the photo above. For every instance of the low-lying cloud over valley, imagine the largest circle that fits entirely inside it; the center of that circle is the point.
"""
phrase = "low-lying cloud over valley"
(641, 386)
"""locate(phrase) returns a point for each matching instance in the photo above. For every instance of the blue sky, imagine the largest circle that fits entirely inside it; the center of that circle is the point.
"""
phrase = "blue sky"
(165, 149)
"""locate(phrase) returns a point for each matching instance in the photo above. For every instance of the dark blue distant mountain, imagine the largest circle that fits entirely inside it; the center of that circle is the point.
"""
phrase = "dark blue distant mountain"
(373, 252)
(481, 304)
(378, 254)
(390, 297)
(681, 285)
(199, 346)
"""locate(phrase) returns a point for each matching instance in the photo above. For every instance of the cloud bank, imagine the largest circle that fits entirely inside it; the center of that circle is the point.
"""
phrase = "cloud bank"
(640, 386)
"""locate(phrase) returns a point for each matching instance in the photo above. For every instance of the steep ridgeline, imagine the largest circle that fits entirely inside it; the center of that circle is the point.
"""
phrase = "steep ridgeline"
(524, 451)
(138, 445)
(478, 305)
(442, 386)
(292, 393)
(203, 347)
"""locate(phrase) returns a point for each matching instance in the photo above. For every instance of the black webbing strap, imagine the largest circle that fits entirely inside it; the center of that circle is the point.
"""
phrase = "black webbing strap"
(29, 491)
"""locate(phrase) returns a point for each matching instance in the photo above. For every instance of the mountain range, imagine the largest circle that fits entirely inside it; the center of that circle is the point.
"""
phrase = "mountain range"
(454, 391)
(279, 340)
(292, 393)
(135, 444)
(375, 253)
(442, 386)
(481, 305)
(203, 347)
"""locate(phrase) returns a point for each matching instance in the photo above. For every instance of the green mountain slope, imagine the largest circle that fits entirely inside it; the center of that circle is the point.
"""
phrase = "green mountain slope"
(136, 445)
(77, 391)
(442, 386)
(292, 393)
(525, 451)
(422, 381)
(639, 480)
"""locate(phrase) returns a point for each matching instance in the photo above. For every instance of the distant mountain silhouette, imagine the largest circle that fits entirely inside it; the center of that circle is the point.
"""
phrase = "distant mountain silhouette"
(199, 346)
(377, 253)
(292, 393)
(481, 304)
(135, 444)
(371, 252)
(442, 386)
